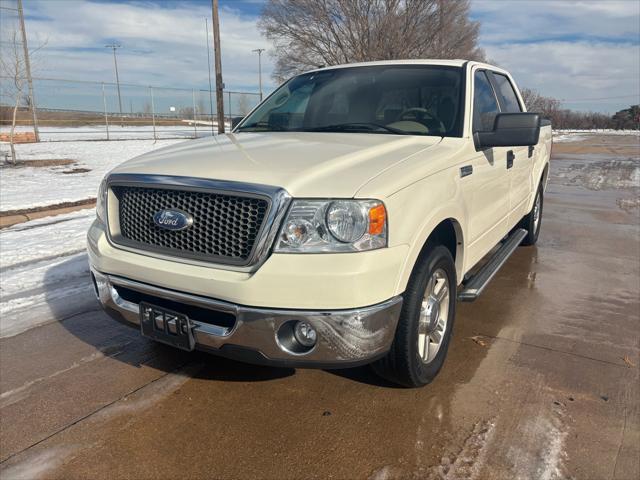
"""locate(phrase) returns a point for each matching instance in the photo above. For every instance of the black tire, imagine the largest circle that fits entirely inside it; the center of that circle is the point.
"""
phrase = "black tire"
(529, 223)
(403, 365)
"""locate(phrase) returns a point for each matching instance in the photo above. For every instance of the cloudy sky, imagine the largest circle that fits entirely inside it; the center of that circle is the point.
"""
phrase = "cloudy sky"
(584, 52)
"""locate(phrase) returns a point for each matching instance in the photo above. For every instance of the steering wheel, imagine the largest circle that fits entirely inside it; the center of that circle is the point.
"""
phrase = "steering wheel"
(422, 115)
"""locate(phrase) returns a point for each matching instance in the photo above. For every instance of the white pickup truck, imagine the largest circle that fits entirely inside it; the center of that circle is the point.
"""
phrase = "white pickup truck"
(336, 225)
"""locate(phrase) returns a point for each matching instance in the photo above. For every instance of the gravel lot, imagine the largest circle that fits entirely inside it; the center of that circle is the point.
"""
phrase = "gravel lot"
(542, 378)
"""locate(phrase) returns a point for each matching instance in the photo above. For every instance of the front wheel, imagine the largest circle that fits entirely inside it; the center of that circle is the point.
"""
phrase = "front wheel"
(426, 321)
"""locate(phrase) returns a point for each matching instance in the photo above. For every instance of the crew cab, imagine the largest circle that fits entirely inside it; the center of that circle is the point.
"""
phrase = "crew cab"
(336, 225)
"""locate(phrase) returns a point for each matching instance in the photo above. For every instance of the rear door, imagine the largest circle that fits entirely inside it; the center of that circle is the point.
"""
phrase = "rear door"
(519, 160)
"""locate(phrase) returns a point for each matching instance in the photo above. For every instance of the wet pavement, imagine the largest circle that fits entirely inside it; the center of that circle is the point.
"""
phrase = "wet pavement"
(541, 381)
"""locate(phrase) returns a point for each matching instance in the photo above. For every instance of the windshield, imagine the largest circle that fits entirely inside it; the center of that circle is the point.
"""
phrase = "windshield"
(391, 99)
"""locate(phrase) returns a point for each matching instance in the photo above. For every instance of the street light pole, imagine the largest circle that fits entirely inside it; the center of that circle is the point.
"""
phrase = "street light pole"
(259, 51)
(114, 46)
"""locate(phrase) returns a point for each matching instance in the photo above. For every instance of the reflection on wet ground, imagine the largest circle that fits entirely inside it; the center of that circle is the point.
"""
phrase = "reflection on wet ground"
(541, 379)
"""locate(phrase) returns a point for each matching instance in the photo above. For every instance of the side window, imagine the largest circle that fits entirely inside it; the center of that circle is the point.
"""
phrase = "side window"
(509, 97)
(485, 105)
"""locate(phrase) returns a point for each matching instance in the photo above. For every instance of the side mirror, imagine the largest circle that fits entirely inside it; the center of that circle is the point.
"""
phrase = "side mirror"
(236, 120)
(511, 130)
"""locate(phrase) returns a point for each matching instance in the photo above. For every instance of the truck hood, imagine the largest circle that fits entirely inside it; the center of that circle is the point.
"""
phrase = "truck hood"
(306, 164)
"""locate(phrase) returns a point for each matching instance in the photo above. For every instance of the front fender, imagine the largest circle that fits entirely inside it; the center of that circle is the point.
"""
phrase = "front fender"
(415, 212)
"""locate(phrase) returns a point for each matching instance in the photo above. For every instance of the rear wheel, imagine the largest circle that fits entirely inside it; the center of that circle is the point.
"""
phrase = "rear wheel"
(533, 220)
(426, 321)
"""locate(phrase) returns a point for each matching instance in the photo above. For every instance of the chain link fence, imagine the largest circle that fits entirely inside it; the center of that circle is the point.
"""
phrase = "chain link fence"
(87, 110)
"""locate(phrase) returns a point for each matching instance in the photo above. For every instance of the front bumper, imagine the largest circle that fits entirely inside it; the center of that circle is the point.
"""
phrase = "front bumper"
(345, 337)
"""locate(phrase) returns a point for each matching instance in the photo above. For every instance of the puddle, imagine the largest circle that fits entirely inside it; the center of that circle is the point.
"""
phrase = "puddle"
(602, 174)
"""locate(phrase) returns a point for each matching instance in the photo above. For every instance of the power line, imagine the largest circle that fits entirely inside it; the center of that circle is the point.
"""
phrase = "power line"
(27, 66)
(218, 65)
(206, 26)
(599, 98)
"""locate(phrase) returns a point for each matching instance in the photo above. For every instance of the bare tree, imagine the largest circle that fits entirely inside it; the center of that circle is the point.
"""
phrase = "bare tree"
(547, 106)
(12, 63)
(309, 33)
(186, 112)
(13, 66)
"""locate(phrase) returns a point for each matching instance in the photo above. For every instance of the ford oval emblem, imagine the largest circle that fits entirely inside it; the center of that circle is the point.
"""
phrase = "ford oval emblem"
(173, 220)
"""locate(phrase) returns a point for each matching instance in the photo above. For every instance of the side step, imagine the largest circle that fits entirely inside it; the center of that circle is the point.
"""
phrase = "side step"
(473, 287)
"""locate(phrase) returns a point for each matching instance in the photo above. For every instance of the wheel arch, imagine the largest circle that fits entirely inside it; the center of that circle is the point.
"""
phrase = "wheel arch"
(447, 232)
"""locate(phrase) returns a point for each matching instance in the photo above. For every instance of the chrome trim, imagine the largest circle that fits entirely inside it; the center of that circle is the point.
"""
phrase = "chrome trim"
(279, 200)
(343, 335)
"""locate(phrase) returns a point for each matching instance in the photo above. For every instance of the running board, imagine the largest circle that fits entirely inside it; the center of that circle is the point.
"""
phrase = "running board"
(473, 287)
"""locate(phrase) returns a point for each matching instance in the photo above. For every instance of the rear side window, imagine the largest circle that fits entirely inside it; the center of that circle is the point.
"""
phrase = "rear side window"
(485, 105)
(510, 102)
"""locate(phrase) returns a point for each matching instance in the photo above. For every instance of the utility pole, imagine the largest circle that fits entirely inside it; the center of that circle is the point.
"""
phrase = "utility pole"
(114, 46)
(259, 51)
(218, 65)
(27, 65)
(206, 26)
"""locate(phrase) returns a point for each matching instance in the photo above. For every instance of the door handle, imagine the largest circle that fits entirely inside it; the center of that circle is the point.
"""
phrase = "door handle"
(466, 171)
(510, 158)
(531, 150)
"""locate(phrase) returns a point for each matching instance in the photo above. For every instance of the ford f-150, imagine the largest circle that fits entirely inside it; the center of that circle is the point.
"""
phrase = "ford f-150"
(336, 225)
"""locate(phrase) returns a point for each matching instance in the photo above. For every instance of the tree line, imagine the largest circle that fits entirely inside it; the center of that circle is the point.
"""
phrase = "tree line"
(566, 119)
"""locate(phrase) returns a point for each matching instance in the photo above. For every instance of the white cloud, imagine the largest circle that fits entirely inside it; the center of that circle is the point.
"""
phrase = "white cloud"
(163, 44)
(571, 50)
(527, 21)
(575, 71)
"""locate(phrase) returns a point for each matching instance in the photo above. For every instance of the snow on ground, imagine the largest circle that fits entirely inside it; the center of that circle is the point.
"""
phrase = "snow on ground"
(578, 135)
(116, 132)
(30, 241)
(43, 265)
(28, 187)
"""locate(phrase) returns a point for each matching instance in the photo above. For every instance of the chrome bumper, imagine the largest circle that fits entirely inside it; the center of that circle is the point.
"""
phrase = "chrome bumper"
(345, 337)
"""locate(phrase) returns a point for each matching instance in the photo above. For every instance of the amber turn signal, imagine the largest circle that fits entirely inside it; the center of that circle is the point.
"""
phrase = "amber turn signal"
(377, 219)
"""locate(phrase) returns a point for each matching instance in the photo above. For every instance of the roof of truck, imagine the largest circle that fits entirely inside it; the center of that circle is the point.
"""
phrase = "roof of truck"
(447, 63)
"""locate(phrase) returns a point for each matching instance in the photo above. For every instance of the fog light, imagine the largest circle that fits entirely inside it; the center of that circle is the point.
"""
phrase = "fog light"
(305, 334)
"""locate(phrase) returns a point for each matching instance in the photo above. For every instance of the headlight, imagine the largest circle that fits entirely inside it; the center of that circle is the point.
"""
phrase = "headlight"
(347, 221)
(101, 201)
(314, 226)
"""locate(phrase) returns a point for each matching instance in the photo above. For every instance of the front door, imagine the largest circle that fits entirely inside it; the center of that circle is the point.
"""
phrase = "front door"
(486, 183)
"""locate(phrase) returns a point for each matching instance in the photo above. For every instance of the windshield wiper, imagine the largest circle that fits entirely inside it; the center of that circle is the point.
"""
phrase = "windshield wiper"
(355, 126)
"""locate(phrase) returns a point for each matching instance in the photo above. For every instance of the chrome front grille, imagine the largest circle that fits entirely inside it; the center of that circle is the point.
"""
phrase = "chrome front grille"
(226, 226)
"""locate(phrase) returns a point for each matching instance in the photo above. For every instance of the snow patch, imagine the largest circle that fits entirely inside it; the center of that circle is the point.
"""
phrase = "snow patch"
(29, 187)
(577, 135)
(42, 263)
(468, 463)
(542, 454)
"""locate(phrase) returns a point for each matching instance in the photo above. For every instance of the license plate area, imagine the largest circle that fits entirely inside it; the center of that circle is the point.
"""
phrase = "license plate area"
(166, 326)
